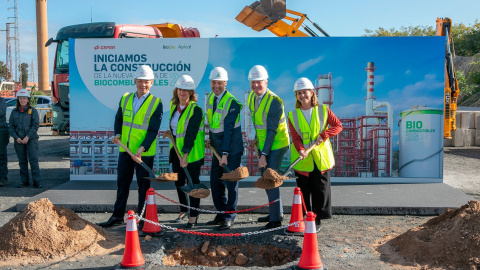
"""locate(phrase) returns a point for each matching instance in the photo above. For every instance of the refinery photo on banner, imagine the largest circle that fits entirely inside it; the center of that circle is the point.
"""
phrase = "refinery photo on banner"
(387, 92)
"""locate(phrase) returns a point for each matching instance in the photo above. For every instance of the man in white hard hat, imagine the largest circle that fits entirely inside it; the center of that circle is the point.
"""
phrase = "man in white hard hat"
(271, 132)
(136, 125)
(223, 115)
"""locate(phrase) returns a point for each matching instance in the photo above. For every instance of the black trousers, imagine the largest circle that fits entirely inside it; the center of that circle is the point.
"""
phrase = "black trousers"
(125, 169)
(194, 172)
(4, 140)
(316, 190)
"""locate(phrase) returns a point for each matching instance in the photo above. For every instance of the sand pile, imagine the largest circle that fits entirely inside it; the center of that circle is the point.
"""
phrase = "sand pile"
(450, 241)
(200, 193)
(273, 175)
(235, 175)
(44, 232)
(270, 179)
(167, 177)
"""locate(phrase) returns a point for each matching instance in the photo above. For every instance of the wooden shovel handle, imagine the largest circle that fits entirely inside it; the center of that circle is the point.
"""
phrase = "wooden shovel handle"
(219, 159)
(129, 152)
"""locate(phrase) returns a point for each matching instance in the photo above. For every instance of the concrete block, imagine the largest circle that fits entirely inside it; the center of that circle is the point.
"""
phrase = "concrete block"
(477, 137)
(467, 120)
(468, 137)
(457, 138)
(447, 142)
(458, 119)
(477, 120)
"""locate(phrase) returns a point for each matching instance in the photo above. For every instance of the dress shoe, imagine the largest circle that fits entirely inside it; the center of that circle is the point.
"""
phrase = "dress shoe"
(110, 222)
(267, 218)
(35, 185)
(215, 222)
(22, 185)
(226, 224)
(318, 225)
(272, 224)
(140, 225)
(191, 225)
(3, 183)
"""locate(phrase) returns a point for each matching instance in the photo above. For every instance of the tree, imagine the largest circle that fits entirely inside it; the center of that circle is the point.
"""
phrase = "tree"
(465, 38)
(23, 74)
(4, 74)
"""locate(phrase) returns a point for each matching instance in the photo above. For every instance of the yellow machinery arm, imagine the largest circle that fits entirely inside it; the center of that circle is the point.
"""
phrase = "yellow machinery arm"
(444, 26)
(264, 14)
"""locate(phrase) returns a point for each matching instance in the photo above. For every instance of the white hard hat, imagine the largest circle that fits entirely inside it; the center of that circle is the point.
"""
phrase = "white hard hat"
(302, 83)
(144, 72)
(23, 93)
(218, 74)
(185, 82)
(257, 73)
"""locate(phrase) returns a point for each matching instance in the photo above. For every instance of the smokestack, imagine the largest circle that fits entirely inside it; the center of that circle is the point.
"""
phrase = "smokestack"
(370, 97)
(42, 51)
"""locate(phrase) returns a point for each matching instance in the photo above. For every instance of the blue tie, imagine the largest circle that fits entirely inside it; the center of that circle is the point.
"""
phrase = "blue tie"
(215, 104)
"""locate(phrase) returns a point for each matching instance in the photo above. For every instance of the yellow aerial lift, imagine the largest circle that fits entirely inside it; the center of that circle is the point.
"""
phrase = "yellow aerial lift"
(269, 14)
(444, 26)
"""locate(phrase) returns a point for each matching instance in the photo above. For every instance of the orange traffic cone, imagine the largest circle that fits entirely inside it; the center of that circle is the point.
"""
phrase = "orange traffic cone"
(310, 258)
(151, 213)
(297, 215)
(132, 255)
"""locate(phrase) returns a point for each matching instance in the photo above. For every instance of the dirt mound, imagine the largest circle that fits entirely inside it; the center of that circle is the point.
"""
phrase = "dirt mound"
(44, 232)
(235, 175)
(168, 176)
(273, 175)
(451, 241)
(200, 193)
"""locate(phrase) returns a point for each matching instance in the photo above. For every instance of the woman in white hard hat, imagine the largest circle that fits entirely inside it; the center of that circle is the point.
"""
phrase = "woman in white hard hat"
(186, 125)
(24, 123)
(313, 124)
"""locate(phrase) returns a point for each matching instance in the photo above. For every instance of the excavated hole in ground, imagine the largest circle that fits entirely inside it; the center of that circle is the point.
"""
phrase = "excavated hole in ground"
(263, 251)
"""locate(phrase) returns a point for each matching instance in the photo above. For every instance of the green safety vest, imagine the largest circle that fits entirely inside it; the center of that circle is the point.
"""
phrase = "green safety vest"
(216, 121)
(135, 125)
(259, 119)
(322, 154)
(198, 150)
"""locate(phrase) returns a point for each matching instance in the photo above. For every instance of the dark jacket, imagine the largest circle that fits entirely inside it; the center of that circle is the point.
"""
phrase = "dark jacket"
(190, 134)
(24, 123)
(273, 120)
(153, 127)
(3, 117)
(230, 140)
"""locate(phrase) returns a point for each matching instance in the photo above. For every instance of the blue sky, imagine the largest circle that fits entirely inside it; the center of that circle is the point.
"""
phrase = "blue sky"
(215, 17)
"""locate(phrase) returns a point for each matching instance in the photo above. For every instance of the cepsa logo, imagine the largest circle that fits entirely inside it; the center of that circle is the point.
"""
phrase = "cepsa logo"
(104, 47)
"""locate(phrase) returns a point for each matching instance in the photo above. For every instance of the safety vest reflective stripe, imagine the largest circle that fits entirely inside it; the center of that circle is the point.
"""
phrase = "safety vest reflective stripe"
(144, 124)
(296, 125)
(222, 109)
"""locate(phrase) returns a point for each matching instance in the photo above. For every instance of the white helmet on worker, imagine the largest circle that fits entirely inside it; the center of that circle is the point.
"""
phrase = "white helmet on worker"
(257, 73)
(302, 84)
(218, 74)
(23, 93)
(185, 82)
(144, 72)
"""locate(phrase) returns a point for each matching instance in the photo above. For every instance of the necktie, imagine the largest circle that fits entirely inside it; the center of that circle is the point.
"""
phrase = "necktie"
(215, 104)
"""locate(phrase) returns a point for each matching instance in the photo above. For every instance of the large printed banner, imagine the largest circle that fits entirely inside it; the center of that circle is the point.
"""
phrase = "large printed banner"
(388, 93)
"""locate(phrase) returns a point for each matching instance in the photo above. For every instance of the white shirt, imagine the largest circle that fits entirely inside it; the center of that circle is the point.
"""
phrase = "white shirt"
(308, 115)
(175, 118)
(137, 102)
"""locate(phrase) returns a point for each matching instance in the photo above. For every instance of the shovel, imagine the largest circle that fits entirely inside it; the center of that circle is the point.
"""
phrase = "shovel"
(273, 175)
(236, 175)
(190, 186)
(152, 176)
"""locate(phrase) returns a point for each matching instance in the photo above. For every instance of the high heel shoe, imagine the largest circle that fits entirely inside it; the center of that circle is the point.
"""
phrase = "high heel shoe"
(191, 225)
(180, 218)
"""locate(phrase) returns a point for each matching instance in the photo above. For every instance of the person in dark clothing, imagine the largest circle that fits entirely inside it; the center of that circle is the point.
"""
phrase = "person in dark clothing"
(186, 126)
(136, 125)
(223, 114)
(24, 123)
(4, 139)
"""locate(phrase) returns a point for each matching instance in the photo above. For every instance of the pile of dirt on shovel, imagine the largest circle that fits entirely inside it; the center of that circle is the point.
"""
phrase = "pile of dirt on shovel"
(449, 241)
(44, 232)
(235, 175)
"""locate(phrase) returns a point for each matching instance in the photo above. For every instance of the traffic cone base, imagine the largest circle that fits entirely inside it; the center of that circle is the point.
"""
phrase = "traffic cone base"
(287, 232)
(132, 255)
